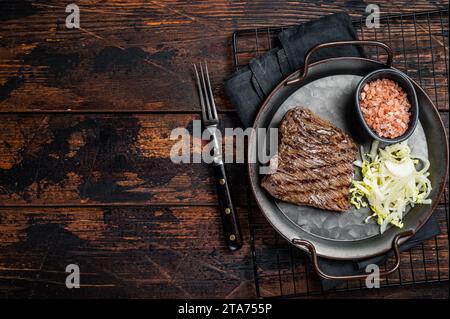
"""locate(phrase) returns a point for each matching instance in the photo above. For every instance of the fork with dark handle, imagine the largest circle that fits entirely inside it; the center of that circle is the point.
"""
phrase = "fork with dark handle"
(228, 213)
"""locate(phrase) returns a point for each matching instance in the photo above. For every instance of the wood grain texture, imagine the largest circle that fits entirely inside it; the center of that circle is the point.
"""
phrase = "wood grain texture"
(137, 55)
(99, 190)
(141, 252)
(104, 159)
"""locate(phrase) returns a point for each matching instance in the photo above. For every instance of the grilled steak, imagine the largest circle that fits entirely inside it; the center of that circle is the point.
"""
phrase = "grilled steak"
(315, 162)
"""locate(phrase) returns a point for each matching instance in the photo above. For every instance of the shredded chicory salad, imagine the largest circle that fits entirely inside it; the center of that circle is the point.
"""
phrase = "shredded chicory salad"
(392, 179)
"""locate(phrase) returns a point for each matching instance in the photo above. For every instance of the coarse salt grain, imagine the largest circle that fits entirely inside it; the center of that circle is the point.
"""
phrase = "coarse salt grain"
(385, 107)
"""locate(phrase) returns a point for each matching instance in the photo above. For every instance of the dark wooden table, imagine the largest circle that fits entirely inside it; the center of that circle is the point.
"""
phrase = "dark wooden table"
(85, 173)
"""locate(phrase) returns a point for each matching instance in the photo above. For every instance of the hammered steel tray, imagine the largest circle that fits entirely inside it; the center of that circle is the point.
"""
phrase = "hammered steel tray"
(327, 88)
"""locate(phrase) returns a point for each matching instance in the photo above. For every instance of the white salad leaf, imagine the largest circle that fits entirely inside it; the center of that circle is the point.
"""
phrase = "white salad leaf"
(392, 180)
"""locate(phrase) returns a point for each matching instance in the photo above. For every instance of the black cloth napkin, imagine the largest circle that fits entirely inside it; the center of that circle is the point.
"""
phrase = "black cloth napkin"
(249, 86)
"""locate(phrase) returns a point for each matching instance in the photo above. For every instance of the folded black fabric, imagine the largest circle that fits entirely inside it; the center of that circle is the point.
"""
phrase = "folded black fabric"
(337, 267)
(248, 87)
(298, 40)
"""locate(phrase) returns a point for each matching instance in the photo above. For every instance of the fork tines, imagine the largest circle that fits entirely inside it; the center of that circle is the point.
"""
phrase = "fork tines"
(209, 112)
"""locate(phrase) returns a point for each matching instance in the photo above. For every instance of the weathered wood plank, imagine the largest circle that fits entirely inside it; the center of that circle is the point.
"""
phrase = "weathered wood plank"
(132, 55)
(153, 252)
(146, 252)
(104, 159)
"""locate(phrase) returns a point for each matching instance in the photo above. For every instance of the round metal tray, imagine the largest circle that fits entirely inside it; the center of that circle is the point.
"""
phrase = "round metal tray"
(327, 88)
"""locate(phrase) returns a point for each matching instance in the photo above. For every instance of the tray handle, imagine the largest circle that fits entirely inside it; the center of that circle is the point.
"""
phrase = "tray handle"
(395, 245)
(317, 47)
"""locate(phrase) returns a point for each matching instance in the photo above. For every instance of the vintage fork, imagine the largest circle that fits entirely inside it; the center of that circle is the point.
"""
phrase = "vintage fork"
(210, 120)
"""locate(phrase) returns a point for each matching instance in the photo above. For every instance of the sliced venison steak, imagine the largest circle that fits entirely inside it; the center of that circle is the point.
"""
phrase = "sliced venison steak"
(315, 162)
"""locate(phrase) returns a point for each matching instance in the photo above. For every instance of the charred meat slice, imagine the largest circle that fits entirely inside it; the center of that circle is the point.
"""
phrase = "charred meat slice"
(315, 162)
